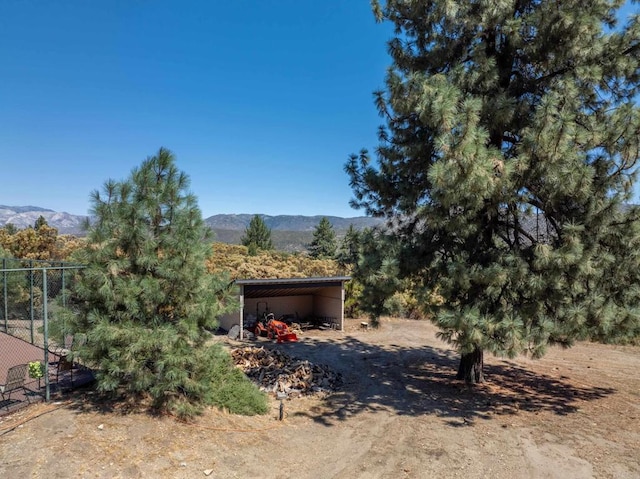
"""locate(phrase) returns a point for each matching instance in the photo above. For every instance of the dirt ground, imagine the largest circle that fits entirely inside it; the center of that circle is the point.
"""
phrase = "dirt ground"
(399, 414)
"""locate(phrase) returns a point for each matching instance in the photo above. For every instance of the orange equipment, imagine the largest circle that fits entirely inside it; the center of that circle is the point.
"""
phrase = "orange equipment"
(275, 329)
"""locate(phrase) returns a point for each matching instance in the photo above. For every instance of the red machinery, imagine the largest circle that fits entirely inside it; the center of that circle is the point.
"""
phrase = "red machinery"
(270, 327)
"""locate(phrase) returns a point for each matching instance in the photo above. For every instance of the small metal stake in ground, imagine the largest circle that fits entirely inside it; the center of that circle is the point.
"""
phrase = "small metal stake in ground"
(281, 396)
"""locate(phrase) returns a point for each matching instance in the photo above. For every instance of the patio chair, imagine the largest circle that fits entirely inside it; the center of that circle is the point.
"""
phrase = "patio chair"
(66, 359)
(16, 376)
(64, 364)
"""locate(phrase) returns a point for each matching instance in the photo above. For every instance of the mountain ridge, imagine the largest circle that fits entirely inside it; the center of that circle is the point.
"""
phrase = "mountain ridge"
(289, 232)
(25, 216)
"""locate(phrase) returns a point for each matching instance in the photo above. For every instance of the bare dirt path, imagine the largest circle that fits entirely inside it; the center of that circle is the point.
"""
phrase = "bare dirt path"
(399, 414)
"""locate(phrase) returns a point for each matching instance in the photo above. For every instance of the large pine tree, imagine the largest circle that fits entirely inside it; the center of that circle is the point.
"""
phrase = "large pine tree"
(145, 301)
(505, 165)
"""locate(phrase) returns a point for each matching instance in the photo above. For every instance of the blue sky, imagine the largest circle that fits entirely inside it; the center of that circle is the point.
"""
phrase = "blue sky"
(261, 101)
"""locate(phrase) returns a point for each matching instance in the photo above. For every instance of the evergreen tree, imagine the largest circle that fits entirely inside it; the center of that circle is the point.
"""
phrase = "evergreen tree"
(349, 250)
(509, 152)
(10, 228)
(145, 300)
(257, 236)
(324, 244)
(376, 271)
(40, 222)
(347, 258)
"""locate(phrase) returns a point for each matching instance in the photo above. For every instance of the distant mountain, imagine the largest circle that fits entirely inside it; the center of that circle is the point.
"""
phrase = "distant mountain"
(25, 216)
(289, 232)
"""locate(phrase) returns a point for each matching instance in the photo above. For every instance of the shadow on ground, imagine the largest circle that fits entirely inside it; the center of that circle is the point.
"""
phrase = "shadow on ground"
(421, 380)
(412, 381)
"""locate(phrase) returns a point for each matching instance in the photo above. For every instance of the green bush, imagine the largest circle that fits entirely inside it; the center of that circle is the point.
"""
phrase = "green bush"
(233, 391)
(219, 383)
(396, 306)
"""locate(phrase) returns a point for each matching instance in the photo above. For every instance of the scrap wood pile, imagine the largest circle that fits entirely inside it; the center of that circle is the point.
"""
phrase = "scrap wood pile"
(274, 372)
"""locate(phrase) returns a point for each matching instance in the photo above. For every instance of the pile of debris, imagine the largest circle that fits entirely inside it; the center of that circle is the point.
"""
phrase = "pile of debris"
(275, 372)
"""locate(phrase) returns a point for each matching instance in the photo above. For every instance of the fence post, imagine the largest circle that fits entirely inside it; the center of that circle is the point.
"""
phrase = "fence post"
(64, 286)
(31, 311)
(45, 333)
(4, 295)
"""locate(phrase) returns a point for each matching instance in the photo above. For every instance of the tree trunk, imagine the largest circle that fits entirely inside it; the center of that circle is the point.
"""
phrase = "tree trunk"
(471, 365)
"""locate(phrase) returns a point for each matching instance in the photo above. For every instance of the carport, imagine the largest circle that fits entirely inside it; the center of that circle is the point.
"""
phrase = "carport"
(318, 297)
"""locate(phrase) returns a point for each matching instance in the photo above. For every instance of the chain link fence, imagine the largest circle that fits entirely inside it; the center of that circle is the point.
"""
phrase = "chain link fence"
(31, 291)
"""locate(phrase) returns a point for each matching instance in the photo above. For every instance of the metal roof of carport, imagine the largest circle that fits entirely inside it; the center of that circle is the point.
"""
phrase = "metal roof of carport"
(263, 288)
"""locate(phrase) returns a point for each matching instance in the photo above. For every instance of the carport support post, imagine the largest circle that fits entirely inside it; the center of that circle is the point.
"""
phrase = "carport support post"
(241, 311)
(45, 333)
(342, 306)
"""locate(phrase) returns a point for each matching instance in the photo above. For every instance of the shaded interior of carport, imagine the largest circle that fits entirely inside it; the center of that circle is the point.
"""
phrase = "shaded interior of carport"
(299, 299)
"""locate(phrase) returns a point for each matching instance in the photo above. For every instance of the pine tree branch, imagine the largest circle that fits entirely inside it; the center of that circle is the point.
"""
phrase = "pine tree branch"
(518, 230)
(631, 49)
